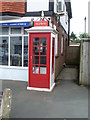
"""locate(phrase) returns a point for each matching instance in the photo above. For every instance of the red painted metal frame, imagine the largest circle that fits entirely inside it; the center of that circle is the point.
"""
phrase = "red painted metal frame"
(29, 59)
(53, 54)
(39, 80)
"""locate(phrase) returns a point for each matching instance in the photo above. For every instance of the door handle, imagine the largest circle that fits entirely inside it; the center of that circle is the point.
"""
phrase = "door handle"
(31, 57)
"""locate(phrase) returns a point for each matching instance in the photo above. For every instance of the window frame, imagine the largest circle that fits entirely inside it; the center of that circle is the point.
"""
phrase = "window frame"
(24, 47)
(62, 45)
(56, 45)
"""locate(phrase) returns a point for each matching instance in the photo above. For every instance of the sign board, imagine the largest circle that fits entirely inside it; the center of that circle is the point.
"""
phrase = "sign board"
(40, 23)
(18, 24)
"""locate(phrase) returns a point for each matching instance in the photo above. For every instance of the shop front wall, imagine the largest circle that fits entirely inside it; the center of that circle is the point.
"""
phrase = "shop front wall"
(18, 74)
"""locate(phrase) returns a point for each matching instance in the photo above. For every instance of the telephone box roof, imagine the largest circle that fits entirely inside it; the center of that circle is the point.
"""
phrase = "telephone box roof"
(42, 29)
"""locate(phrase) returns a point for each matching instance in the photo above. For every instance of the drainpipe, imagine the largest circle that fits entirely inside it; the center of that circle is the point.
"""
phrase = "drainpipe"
(85, 24)
(81, 62)
(68, 31)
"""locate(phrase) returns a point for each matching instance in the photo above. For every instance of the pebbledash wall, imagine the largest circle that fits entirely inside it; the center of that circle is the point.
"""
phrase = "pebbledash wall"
(16, 17)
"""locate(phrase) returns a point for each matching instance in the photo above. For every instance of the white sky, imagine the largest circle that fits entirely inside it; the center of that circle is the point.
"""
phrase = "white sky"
(79, 11)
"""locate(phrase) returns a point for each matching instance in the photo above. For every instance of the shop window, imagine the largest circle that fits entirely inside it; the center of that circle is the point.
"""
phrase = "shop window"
(16, 51)
(25, 51)
(14, 44)
(4, 31)
(15, 30)
(3, 50)
(62, 44)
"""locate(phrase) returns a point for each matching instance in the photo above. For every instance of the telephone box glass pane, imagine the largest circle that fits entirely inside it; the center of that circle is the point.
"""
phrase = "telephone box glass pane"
(43, 50)
(35, 59)
(43, 60)
(36, 50)
(35, 69)
(43, 70)
(43, 42)
(39, 55)
(36, 42)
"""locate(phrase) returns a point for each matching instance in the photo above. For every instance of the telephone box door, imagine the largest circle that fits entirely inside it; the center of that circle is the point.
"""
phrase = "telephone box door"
(39, 66)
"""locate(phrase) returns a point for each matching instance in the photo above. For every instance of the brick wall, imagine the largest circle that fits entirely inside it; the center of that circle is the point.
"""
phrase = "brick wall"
(60, 59)
(13, 6)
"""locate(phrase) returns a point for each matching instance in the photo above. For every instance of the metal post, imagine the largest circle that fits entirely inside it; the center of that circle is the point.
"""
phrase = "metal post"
(85, 24)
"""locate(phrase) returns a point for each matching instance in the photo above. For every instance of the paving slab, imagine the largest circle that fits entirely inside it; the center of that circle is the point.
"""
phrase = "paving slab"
(67, 100)
(0, 86)
(69, 74)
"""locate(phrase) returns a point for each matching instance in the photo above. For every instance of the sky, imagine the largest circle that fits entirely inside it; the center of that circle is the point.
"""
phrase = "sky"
(79, 12)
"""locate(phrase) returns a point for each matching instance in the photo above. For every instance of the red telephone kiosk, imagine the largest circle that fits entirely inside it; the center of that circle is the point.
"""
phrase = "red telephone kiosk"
(41, 57)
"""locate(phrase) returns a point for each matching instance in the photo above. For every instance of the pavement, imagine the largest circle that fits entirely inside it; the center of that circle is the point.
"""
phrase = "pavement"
(0, 86)
(67, 100)
(69, 73)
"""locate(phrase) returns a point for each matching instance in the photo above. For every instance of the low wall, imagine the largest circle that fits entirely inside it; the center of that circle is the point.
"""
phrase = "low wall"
(89, 63)
(85, 63)
(73, 55)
